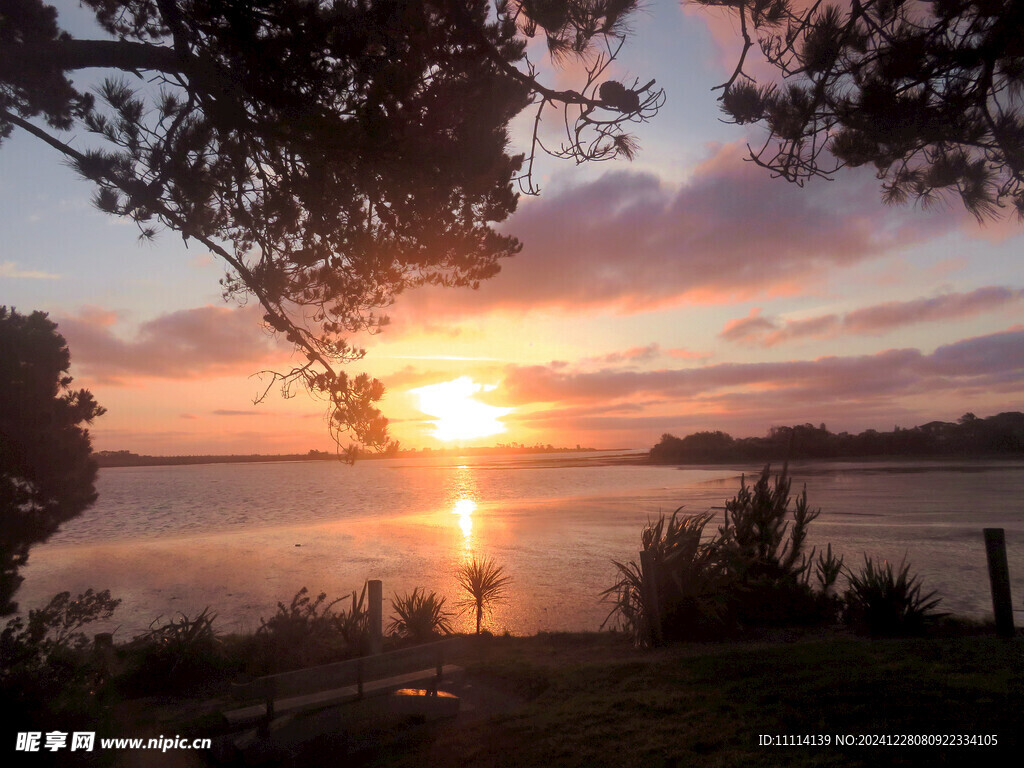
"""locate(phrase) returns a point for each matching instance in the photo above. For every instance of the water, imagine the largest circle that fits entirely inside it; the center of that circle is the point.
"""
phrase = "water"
(241, 537)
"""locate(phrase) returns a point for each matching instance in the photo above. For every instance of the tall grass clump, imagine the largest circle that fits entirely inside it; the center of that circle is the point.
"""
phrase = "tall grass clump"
(354, 624)
(888, 602)
(310, 631)
(181, 654)
(753, 571)
(485, 584)
(687, 576)
(419, 616)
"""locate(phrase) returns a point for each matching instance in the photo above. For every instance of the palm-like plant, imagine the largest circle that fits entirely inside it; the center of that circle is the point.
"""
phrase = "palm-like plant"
(420, 616)
(485, 583)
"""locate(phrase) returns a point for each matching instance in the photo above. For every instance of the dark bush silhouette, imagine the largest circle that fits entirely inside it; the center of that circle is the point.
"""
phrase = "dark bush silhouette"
(885, 602)
(46, 467)
(183, 654)
(753, 572)
(968, 436)
(420, 616)
(48, 672)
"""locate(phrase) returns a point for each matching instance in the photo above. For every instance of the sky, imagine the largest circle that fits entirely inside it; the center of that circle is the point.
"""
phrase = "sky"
(686, 290)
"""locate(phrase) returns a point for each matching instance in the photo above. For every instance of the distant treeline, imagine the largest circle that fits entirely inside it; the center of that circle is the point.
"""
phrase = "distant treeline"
(129, 459)
(968, 436)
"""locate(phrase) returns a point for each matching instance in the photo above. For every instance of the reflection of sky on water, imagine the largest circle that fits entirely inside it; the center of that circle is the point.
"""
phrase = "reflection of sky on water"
(557, 549)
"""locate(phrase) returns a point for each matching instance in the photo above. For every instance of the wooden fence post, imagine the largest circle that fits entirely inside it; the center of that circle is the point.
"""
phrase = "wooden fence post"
(376, 614)
(652, 610)
(999, 576)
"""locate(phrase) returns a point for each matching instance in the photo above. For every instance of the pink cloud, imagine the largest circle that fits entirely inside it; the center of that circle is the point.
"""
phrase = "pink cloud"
(755, 330)
(996, 358)
(631, 355)
(746, 327)
(905, 386)
(682, 353)
(632, 243)
(191, 343)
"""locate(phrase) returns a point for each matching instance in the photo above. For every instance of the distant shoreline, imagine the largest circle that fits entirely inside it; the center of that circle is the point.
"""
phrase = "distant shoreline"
(109, 459)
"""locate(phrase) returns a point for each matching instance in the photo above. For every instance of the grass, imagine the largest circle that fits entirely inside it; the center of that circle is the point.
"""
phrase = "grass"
(595, 701)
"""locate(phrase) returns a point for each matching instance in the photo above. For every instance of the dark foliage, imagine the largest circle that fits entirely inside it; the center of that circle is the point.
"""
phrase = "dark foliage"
(332, 154)
(753, 572)
(46, 468)
(306, 632)
(969, 436)
(420, 616)
(183, 654)
(929, 93)
(690, 580)
(761, 546)
(49, 677)
(885, 602)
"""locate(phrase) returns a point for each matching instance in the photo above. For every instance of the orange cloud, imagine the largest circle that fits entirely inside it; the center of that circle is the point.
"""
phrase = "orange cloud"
(622, 407)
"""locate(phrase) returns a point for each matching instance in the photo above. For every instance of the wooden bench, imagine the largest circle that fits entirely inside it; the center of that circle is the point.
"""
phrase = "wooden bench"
(265, 698)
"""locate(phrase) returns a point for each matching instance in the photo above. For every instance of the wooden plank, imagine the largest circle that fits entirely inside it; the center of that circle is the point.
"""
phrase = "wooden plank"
(343, 673)
(340, 695)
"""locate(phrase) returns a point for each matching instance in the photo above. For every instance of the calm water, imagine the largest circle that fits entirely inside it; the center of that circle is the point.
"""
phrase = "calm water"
(241, 537)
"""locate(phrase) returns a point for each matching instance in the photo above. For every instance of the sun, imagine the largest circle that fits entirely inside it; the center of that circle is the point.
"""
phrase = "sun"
(458, 415)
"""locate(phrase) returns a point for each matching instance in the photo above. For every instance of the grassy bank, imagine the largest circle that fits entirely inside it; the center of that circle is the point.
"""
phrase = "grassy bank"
(592, 700)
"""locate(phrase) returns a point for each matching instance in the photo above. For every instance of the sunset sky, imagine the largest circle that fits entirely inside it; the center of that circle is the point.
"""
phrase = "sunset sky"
(686, 290)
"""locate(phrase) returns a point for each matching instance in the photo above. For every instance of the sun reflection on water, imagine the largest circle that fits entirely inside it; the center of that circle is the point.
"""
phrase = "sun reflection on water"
(464, 508)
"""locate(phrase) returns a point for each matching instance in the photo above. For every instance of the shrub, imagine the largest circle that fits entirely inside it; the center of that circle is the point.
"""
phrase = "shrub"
(302, 633)
(57, 626)
(48, 674)
(420, 616)
(886, 602)
(179, 655)
(354, 624)
(762, 546)
(753, 571)
(687, 575)
(309, 631)
(485, 584)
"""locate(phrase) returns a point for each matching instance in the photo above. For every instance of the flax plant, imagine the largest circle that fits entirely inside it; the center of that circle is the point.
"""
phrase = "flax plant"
(686, 577)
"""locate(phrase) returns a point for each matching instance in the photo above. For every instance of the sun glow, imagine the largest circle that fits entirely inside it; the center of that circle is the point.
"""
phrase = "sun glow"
(458, 415)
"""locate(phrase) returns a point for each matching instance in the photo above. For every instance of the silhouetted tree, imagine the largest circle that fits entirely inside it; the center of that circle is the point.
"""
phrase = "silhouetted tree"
(46, 468)
(929, 93)
(970, 436)
(332, 153)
